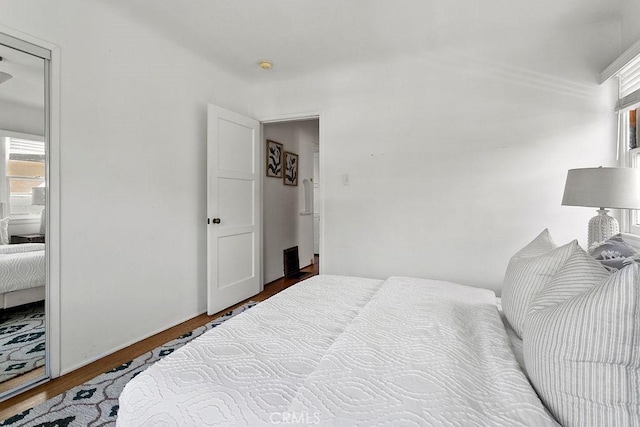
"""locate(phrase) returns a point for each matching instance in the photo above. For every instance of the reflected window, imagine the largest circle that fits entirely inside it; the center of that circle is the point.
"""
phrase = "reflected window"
(26, 175)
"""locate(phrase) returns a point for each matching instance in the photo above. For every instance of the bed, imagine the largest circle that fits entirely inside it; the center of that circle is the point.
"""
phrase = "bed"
(349, 351)
(336, 350)
(22, 274)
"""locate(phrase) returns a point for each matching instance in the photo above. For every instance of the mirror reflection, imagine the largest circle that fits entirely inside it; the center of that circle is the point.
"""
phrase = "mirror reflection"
(22, 218)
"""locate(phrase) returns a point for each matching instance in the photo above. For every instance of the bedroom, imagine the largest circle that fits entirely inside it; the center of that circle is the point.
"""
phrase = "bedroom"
(457, 144)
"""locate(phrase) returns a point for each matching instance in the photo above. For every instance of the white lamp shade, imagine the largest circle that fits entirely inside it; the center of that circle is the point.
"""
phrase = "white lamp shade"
(38, 195)
(617, 188)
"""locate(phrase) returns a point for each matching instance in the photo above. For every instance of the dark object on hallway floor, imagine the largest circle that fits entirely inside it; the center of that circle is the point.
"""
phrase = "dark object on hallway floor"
(292, 263)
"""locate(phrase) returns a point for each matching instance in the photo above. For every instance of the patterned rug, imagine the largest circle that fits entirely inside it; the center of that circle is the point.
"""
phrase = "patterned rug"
(95, 403)
(22, 340)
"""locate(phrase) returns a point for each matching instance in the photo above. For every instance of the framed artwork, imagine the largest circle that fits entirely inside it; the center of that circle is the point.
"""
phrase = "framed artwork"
(290, 168)
(274, 159)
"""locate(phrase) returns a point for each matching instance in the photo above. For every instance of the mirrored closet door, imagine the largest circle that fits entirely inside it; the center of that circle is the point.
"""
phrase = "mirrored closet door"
(24, 71)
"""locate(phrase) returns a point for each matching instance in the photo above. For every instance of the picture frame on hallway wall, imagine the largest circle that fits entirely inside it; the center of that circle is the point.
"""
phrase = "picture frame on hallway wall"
(274, 159)
(290, 168)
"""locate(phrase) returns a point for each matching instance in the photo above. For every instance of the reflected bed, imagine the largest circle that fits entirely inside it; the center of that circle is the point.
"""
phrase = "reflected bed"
(22, 274)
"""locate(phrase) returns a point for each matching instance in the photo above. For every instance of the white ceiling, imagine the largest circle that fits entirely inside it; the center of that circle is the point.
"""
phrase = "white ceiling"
(300, 36)
(26, 87)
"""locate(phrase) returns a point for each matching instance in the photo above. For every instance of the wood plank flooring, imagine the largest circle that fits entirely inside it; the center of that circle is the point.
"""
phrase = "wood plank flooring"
(41, 393)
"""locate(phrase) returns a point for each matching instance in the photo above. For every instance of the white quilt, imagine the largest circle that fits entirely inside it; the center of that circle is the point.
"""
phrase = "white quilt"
(22, 266)
(345, 351)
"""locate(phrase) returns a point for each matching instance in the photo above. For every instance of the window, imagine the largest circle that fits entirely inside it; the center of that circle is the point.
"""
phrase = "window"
(25, 177)
(630, 145)
(633, 161)
(627, 70)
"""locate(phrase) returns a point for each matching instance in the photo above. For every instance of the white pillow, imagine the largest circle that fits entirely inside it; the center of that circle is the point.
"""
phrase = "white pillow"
(4, 231)
(528, 271)
(578, 274)
(583, 354)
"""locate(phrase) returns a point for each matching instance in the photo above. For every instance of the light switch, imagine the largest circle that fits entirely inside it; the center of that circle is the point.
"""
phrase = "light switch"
(345, 179)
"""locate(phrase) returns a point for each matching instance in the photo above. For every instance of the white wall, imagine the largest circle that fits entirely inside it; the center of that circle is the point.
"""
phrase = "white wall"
(284, 227)
(630, 28)
(457, 157)
(133, 168)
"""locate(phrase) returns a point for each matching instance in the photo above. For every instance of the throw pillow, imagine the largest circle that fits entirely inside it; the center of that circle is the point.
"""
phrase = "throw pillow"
(528, 271)
(583, 354)
(580, 273)
(4, 231)
(614, 253)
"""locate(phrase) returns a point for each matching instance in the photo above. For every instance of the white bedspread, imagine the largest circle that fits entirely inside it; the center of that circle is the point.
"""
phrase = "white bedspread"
(345, 351)
(252, 365)
(22, 266)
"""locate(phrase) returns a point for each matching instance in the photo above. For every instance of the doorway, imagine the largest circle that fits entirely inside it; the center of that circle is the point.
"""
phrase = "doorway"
(291, 211)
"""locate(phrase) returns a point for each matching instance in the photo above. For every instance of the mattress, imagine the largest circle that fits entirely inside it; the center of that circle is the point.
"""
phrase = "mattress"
(345, 351)
(22, 266)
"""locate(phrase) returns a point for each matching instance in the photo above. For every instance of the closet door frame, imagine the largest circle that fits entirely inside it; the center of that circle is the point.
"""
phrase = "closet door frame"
(51, 54)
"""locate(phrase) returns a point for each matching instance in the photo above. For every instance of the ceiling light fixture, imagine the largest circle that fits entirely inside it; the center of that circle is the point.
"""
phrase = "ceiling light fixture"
(265, 65)
(4, 77)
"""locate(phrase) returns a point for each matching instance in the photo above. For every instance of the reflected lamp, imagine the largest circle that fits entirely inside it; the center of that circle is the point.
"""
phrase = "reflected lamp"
(38, 197)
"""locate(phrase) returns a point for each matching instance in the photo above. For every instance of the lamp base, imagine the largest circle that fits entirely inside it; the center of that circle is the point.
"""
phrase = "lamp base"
(601, 227)
(43, 221)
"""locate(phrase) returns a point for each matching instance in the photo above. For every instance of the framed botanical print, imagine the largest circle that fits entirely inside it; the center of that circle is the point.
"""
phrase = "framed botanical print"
(274, 159)
(290, 168)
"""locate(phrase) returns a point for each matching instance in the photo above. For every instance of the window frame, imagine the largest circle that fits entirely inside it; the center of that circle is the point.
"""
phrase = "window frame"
(5, 136)
(633, 216)
(625, 69)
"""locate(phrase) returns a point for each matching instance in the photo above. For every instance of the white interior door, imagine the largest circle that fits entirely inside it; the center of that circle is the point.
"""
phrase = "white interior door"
(233, 186)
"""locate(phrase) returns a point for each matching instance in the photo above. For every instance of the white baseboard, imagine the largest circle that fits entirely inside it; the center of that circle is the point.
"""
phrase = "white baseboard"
(116, 349)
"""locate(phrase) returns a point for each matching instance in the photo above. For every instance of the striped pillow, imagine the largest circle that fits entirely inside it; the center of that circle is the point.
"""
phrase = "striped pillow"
(528, 271)
(583, 354)
(578, 274)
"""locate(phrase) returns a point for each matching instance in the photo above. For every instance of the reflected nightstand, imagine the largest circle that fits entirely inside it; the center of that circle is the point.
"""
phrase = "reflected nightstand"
(27, 238)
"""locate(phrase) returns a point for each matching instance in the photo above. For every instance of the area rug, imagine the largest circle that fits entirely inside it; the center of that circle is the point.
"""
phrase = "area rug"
(22, 340)
(95, 403)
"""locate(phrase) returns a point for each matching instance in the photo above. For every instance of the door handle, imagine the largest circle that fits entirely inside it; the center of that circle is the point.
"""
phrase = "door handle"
(216, 220)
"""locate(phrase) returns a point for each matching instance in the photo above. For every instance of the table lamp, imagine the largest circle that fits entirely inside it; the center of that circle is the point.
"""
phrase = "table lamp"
(38, 197)
(617, 188)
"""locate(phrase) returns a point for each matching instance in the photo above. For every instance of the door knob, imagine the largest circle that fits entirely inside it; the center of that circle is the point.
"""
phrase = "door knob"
(216, 220)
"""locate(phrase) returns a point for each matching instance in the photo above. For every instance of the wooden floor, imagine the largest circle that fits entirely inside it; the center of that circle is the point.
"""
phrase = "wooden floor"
(39, 394)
